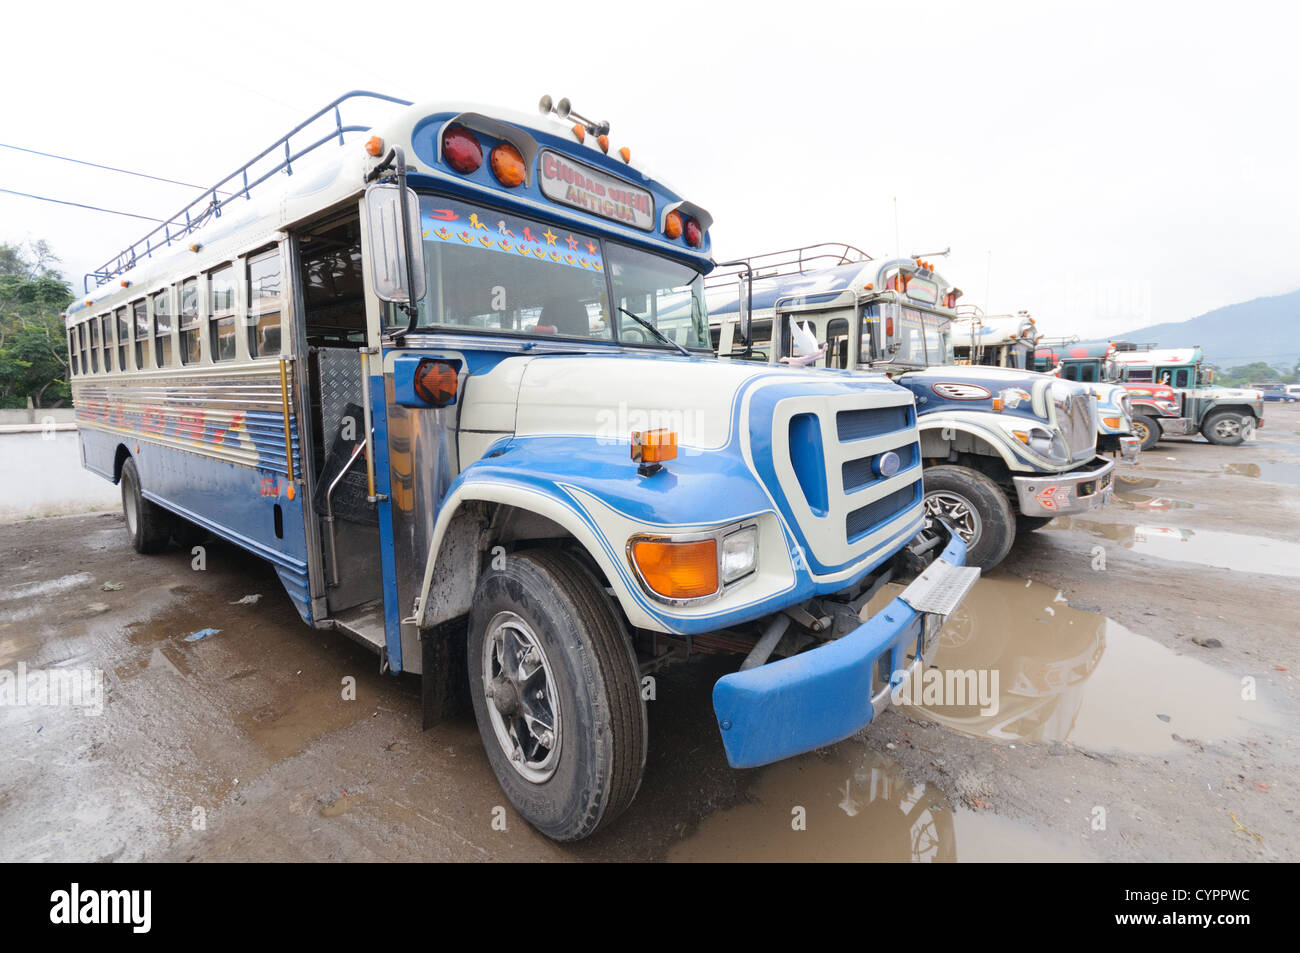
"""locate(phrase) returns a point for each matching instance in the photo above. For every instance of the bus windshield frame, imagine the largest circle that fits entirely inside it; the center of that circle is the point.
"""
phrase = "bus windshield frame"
(496, 272)
(921, 338)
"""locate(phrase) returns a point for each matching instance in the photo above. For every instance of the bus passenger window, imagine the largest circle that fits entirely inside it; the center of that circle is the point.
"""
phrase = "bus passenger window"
(264, 304)
(189, 321)
(106, 329)
(141, 317)
(162, 328)
(94, 346)
(837, 343)
(221, 313)
(123, 337)
(72, 351)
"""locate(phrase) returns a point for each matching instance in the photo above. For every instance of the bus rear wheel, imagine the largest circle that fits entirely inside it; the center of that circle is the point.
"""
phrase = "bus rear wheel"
(148, 524)
(1147, 429)
(556, 693)
(975, 507)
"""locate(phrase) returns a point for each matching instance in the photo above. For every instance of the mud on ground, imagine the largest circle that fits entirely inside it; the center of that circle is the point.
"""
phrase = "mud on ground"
(1123, 642)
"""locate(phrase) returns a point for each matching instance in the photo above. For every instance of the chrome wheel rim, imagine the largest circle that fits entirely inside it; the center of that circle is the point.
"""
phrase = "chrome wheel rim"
(1227, 428)
(522, 705)
(957, 510)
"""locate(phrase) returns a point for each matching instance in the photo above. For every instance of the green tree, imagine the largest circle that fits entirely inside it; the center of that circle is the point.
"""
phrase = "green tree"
(33, 342)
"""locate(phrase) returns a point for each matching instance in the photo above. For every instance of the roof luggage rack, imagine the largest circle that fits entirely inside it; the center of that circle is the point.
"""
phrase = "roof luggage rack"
(214, 199)
(788, 261)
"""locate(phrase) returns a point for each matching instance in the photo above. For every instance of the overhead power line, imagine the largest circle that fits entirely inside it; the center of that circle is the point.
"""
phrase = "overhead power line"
(93, 208)
(96, 165)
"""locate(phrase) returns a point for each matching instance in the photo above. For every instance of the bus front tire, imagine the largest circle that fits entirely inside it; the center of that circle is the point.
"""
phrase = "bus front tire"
(148, 524)
(976, 507)
(1225, 428)
(1148, 429)
(556, 693)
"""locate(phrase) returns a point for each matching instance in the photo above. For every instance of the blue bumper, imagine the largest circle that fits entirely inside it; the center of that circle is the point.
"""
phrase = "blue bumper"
(824, 695)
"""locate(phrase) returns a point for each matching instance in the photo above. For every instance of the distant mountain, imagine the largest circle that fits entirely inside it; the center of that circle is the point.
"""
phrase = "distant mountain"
(1265, 329)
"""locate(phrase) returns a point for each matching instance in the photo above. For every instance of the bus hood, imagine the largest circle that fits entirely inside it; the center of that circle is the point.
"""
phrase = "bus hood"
(609, 397)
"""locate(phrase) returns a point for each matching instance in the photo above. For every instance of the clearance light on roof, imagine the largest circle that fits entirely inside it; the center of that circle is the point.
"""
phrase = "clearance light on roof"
(507, 165)
(461, 150)
(694, 235)
(626, 153)
(673, 224)
(579, 132)
(374, 145)
(603, 141)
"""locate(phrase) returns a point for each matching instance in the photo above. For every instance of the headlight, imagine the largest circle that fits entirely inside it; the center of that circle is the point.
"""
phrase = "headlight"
(739, 554)
(1044, 442)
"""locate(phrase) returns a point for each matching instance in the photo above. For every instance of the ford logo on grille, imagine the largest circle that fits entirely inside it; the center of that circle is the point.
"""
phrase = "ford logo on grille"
(887, 464)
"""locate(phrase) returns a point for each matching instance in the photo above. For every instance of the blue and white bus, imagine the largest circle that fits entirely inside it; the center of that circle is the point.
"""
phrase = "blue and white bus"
(453, 381)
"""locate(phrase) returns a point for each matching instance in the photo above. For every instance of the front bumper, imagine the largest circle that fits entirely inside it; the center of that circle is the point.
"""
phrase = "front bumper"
(1062, 494)
(826, 694)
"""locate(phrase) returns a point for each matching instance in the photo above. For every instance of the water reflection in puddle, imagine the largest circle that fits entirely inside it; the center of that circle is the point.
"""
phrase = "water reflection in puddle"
(858, 806)
(1254, 554)
(1065, 674)
(1268, 471)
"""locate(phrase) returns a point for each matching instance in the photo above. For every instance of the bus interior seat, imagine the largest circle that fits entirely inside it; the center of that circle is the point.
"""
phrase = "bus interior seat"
(567, 316)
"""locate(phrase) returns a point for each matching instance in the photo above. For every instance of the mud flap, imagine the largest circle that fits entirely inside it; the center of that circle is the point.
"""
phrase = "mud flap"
(444, 684)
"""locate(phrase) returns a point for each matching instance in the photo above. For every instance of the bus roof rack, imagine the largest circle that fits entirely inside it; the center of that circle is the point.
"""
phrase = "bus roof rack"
(1130, 346)
(788, 261)
(214, 199)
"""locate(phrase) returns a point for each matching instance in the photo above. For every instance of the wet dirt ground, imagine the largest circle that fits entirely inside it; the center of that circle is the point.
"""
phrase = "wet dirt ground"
(1146, 705)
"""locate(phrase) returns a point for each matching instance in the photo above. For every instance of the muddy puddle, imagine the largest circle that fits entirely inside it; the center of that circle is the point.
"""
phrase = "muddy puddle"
(1146, 493)
(1044, 671)
(1218, 550)
(849, 804)
(1269, 472)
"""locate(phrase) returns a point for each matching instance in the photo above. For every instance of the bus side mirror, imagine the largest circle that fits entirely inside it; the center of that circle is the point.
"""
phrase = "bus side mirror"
(745, 312)
(396, 248)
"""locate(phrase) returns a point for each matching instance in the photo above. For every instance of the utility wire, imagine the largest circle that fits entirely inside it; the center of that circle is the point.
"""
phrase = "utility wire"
(96, 165)
(93, 208)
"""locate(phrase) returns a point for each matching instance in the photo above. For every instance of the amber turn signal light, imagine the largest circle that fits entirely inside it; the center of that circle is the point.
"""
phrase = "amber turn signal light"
(507, 165)
(436, 382)
(654, 446)
(685, 570)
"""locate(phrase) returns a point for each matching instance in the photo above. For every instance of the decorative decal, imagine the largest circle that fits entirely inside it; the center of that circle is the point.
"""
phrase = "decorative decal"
(952, 390)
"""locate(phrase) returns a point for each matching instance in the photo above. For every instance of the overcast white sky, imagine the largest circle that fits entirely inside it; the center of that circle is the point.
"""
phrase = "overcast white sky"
(1103, 165)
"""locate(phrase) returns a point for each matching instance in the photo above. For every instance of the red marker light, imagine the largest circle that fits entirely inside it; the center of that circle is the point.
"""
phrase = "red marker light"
(461, 150)
(694, 235)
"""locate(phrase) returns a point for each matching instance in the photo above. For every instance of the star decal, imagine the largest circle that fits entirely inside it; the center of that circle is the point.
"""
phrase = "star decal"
(550, 236)
(573, 242)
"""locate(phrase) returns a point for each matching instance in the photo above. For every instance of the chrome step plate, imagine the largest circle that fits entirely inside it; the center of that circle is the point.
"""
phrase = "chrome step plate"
(941, 588)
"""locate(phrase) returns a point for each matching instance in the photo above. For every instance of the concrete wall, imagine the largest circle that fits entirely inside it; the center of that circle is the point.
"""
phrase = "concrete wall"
(61, 415)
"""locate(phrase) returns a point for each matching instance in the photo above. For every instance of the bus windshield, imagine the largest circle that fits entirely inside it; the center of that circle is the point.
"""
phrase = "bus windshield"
(489, 270)
(923, 339)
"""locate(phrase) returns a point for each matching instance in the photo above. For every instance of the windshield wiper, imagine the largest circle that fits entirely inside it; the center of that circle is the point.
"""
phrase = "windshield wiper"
(655, 331)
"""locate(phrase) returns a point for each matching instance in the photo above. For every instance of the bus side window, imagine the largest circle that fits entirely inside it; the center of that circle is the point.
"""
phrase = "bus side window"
(106, 339)
(221, 313)
(837, 343)
(1137, 374)
(123, 337)
(264, 304)
(1183, 377)
(162, 327)
(94, 345)
(189, 321)
(140, 316)
(74, 363)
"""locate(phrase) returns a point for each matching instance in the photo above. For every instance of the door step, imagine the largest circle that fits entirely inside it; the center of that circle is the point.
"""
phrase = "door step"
(363, 624)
